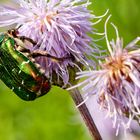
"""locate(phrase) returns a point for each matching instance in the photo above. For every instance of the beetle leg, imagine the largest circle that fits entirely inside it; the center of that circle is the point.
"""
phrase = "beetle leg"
(24, 38)
(38, 53)
(22, 49)
(14, 34)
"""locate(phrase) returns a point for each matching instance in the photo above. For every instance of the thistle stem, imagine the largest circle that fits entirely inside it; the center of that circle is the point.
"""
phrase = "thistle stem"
(77, 98)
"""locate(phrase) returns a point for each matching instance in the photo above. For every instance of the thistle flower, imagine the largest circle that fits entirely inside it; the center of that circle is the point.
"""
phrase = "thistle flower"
(59, 27)
(116, 83)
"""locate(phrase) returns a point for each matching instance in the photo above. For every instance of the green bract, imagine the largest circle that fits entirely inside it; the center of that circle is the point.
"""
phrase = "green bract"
(19, 73)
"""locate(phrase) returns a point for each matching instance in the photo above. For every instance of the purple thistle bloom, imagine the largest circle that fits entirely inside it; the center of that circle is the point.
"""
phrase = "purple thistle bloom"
(117, 82)
(59, 27)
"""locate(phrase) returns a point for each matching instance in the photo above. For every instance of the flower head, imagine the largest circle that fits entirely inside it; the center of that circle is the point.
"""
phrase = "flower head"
(117, 82)
(59, 27)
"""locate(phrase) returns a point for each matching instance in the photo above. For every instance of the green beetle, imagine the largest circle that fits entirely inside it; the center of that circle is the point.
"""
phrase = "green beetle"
(19, 72)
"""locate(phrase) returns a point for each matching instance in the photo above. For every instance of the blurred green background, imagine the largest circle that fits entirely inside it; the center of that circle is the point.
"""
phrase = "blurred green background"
(54, 116)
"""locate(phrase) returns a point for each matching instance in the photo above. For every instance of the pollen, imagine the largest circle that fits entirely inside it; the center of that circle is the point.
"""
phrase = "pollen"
(116, 67)
(50, 16)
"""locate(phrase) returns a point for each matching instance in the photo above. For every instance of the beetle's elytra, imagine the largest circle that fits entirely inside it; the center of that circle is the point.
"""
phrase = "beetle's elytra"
(19, 73)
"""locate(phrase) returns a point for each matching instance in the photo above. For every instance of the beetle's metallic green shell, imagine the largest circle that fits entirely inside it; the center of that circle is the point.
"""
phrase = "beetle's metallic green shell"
(19, 73)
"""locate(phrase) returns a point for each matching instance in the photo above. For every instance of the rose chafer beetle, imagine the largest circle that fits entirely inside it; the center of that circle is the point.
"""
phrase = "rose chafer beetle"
(18, 69)
(19, 72)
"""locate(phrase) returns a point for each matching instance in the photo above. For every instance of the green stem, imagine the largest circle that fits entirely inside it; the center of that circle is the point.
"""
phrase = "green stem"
(77, 98)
